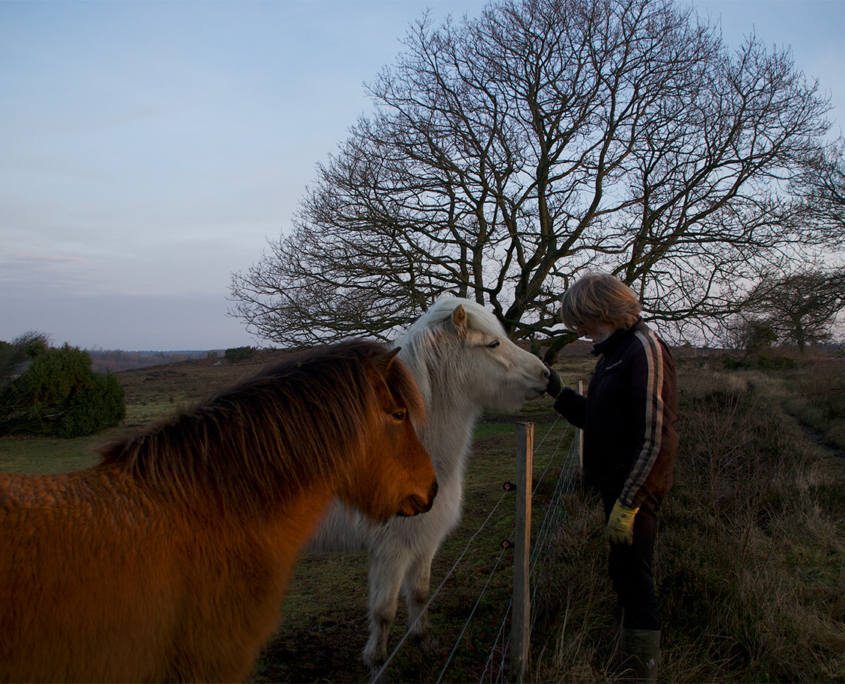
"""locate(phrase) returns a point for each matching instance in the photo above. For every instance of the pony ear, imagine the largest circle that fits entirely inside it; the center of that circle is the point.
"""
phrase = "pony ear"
(459, 317)
(393, 381)
(380, 373)
(383, 362)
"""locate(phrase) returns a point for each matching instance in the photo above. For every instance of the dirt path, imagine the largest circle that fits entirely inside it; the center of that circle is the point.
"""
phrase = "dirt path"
(818, 438)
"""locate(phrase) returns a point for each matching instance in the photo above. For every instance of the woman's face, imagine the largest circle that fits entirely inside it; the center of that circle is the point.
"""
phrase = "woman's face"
(597, 331)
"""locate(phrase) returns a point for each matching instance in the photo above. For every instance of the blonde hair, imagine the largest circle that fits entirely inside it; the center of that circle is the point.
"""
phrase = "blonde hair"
(599, 297)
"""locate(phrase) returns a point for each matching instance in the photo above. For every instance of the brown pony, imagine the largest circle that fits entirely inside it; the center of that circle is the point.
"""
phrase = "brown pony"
(169, 561)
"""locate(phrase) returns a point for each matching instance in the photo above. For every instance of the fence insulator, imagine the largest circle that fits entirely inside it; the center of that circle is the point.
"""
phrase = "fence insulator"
(506, 544)
(509, 487)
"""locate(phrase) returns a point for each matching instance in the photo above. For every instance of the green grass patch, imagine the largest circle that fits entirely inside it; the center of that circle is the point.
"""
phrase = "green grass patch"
(483, 430)
(45, 455)
(50, 455)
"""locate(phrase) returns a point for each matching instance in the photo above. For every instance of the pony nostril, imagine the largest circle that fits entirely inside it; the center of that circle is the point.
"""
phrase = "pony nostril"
(432, 493)
(420, 505)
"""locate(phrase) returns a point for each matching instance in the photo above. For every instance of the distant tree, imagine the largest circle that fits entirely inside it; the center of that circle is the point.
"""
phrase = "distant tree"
(509, 153)
(801, 308)
(749, 335)
(59, 394)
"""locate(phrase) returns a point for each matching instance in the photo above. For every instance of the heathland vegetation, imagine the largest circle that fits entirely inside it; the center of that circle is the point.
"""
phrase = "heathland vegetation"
(750, 559)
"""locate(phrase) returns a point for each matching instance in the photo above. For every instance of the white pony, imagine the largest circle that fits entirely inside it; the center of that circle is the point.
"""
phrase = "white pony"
(463, 362)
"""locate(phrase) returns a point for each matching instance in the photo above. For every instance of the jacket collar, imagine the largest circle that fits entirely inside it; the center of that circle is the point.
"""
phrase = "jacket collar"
(613, 341)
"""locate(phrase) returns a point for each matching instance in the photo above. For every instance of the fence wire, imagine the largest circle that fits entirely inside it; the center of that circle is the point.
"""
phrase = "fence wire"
(539, 548)
(552, 516)
(437, 591)
(499, 635)
(469, 619)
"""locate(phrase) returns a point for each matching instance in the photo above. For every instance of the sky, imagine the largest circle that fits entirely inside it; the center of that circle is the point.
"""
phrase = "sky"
(149, 149)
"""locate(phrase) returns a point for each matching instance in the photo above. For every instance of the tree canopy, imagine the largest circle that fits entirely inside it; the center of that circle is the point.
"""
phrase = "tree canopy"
(506, 154)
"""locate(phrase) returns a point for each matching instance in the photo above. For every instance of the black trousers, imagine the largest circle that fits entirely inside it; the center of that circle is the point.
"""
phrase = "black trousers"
(630, 567)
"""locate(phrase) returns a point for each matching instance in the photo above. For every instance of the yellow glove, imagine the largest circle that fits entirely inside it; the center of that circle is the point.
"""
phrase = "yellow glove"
(620, 526)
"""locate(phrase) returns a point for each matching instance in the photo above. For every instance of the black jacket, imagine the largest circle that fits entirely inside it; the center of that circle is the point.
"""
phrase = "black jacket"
(628, 415)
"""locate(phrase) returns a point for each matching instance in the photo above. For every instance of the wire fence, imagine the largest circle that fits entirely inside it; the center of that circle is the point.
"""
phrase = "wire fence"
(495, 668)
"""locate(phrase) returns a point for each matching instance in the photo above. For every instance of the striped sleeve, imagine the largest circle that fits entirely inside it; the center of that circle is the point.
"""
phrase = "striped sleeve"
(648, 402)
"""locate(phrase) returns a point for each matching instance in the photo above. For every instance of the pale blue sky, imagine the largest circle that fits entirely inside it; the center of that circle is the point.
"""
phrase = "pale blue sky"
(149, 149)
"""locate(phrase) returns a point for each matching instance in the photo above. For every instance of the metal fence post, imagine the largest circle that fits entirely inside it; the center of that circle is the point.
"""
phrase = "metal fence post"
(521, 626)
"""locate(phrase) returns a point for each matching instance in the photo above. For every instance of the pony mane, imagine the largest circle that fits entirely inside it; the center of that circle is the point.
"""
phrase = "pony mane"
(294, 423)
(425, 344)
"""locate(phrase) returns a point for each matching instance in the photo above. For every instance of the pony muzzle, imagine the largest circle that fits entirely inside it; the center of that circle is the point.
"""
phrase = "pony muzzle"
(415, 504)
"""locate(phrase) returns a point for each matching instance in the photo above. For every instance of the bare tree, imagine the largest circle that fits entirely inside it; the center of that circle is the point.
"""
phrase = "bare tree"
(801, 308)
(508, 153)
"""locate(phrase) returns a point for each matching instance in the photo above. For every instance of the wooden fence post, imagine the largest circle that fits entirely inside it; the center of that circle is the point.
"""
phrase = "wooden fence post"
(521, 624)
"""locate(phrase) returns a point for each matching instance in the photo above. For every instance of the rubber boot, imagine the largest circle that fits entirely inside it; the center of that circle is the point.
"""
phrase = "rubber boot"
(641, 653)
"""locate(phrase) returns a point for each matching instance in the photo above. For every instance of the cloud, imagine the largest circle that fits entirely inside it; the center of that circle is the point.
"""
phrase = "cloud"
(32, 273)
(131, 323)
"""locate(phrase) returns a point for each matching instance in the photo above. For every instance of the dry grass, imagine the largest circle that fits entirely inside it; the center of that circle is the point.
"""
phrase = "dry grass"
(750, 560)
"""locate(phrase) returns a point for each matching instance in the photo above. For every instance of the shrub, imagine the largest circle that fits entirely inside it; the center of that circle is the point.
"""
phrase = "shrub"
(60, 395)
(14, 355)
(36, 346)
(55, 375)
(99, 405)
(236, 354)
(759, 362)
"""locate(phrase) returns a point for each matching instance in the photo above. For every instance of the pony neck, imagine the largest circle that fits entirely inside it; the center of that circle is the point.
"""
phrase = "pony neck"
(448, 430)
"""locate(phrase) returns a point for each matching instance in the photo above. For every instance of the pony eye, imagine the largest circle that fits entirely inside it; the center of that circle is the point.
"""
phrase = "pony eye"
(399, 415)
(493, 344)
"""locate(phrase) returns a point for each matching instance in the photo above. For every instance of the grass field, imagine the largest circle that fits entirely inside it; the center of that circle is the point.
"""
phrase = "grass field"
(750, 568)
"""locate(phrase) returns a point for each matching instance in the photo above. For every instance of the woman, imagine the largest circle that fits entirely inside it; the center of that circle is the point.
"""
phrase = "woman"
(628, 418)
